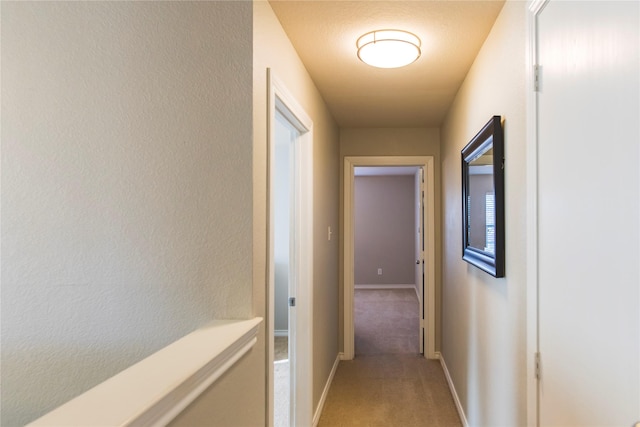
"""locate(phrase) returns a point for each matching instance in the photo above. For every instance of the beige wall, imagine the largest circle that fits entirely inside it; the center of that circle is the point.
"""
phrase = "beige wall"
(393, 142)
(384, 230)
(126, 198)
(272, 49)
(484, 319)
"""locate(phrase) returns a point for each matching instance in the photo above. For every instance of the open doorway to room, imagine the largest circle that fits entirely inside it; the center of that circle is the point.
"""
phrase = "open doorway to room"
(388, 267)
(283, 174)
(290, 263)
(389, 244)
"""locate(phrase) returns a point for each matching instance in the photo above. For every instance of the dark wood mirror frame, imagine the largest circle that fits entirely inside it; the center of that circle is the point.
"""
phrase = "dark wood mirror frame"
(491, 257)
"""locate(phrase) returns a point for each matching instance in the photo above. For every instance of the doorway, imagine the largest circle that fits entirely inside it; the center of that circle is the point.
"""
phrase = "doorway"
(286, 135)
(426, 258)
(290, 263)
(388, 267)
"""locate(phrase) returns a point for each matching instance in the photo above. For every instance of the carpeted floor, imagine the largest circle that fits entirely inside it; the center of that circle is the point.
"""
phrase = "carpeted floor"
(281, 382)
(388, 383)
(281, 348)
(281, 393)
(386, 321)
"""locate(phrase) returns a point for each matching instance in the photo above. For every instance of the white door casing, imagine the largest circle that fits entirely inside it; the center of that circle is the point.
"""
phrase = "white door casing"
(350, 163)
(301, 255)
(419, 201)
(584, 274)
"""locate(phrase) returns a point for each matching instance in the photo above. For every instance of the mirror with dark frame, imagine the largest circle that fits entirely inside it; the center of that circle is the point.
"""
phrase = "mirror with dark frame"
(483, 199)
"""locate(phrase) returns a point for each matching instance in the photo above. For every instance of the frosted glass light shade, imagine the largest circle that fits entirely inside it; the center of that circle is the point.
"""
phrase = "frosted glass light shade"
(388, 48)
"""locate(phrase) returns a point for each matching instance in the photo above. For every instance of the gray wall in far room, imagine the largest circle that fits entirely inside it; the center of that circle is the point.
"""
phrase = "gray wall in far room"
(384, 230)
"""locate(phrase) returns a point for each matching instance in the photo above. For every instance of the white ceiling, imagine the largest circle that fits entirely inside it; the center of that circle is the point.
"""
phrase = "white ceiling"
(324, 34)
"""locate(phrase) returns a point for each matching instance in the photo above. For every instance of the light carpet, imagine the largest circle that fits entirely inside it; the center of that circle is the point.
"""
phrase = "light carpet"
(388, 383)
(281, 393)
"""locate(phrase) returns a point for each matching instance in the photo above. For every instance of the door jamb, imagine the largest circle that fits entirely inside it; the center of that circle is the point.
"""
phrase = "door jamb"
(535, 7)
(427, 162)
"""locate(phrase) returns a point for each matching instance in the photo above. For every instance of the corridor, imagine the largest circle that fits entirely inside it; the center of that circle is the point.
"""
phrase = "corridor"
(388, 383)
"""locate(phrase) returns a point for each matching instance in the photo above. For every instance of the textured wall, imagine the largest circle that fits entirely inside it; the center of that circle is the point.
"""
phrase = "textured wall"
(273, 50)
(384, 235)
(484, 318)
(126, 198)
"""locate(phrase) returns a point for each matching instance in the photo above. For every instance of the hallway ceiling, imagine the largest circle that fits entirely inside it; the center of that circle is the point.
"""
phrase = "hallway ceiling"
(324, 34)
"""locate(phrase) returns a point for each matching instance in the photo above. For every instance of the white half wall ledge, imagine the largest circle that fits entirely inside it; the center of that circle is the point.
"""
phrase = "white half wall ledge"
(155, 390)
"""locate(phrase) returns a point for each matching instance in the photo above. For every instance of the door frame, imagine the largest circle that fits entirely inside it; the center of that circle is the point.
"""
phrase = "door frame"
(301, 254)
(350, 163)
(534, 9)
(420, 269)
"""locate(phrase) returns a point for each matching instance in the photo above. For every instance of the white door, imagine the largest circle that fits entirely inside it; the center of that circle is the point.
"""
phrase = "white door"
(588, 213)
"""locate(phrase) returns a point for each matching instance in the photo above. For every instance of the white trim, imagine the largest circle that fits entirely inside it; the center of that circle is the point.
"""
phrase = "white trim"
(385, 286)
(536, 6)
(155, 390)
(301, 351)
(350, 162)
(281, 333)
(325, 392)
(452, 389)
(388, 287)
(533, 343)
(349, 252)
(341, 356)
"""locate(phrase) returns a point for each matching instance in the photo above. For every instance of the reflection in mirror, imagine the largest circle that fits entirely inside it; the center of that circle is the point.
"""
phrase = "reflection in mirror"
(481, 203)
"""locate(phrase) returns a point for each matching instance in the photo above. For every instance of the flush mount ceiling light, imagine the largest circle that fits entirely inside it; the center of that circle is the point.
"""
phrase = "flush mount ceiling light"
(388, 48)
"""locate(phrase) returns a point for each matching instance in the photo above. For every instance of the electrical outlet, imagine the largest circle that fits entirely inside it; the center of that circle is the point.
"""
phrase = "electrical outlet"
(379, 272)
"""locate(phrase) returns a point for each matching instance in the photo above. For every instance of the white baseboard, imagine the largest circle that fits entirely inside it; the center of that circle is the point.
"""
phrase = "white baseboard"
(342, 356)
(281, 333)
(452, 388)
(325, 392)
(405, 286)
(386, 286)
